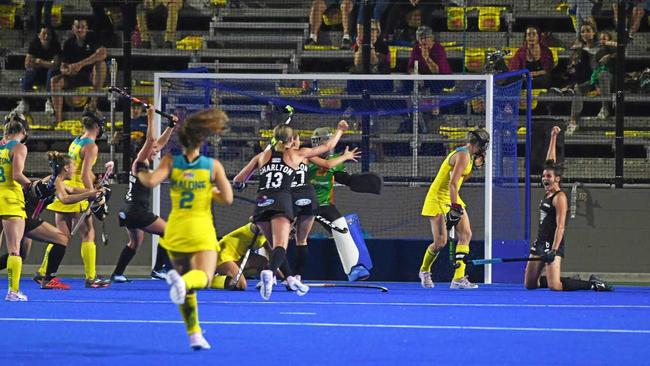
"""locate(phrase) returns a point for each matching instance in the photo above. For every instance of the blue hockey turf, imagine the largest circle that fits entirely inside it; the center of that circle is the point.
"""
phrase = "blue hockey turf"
(135, 324)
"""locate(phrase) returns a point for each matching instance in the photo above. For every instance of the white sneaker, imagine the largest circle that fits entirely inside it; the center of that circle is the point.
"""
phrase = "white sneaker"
(295, 285)
(22, 107)
(49, 108)
(462, 283)
(425, 280)
(603, 114)
(15, 296)
(267, 280)
(198, 342)
(177, 289)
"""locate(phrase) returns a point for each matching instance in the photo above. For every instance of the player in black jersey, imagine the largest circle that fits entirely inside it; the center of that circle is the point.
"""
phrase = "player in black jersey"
(550, 238)
(274, 209)
(38, 195)
(136, 213)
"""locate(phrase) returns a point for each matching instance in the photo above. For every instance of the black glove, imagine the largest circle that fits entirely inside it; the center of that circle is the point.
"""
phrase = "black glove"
(40, 190)
(100, 210)
(549, 256)
(453, 216)
(239, 186)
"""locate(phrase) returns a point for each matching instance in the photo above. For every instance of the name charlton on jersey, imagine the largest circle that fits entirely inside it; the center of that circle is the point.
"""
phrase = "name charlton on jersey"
(276, 168)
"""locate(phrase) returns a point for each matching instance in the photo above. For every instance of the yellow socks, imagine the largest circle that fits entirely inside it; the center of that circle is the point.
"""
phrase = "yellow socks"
(462, 250)
(219, 282)
(43, 268)
(14, 268)
(88, 255)
(195, 280)
(190, 312)
(428, 260)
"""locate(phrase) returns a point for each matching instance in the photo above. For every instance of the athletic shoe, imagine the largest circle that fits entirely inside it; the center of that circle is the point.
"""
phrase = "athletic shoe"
(198, 342)
(49, 108)
(160, 274)
(15, 296)
(38, 278)
(346, 43)
(462, 283)
(267, 278)
(97, 282)
(599, 285)
(310, 42)
(54, 284)
(571, 128)
(294, 284)
(425, 280)
(177, 290)
(603, 113)
(22, 107)
(119, 278)
(358, 273)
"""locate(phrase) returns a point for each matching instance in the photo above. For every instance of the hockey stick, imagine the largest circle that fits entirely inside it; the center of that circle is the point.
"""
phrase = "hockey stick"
(109, 171)
(328, 223)
(482, 262)
(125, 94)
(242, 265)
(372, 287)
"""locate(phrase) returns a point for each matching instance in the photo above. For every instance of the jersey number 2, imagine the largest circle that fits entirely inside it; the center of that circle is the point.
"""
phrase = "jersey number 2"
(186, 199)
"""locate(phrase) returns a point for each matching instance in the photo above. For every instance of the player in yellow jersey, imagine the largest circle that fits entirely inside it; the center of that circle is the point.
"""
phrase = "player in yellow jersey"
(446, 210)
(83, 151)
(190, 237)
(12, 201)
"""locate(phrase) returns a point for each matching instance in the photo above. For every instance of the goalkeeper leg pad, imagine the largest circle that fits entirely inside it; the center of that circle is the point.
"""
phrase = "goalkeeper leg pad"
(366, 183)
(352, 248)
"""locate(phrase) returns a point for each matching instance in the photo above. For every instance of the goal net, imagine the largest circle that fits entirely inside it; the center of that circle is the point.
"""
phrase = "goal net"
(405, 126)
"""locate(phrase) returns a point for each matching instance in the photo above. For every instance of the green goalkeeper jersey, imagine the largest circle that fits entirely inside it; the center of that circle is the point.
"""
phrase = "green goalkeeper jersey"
(323, 181)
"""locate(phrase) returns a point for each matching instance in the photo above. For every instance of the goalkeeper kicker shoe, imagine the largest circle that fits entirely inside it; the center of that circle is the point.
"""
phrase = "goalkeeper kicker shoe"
(425, 280)
(198, 342)
(599, 285)
(358, 273)
(462, 283)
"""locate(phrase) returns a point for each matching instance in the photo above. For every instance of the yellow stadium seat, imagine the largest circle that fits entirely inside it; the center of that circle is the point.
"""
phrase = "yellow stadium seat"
(8, 16)
(536, 93)
(555, 51)
(318, 47)
(456, 18)
(489, 18)
(74, 127)
(190, 43)
(56, 15)
(474, 59)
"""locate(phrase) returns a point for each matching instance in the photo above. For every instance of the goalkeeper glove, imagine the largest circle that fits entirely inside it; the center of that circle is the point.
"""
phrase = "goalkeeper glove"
(453, 216)
(549, 256)
(239, 186)
(40, 190)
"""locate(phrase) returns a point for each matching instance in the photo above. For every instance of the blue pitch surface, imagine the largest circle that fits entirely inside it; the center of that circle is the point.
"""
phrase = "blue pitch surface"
(135, 324)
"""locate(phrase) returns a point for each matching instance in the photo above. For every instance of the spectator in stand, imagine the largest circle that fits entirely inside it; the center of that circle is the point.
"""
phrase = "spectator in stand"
(583, 11)
(173, 7)
(318, 8)
(379, 61)
(41, 63)
(42, 14)
(638, 11)
(582, 59)
(404, 18)
(535, 57)
(82, 63)
(378, 9)
(599, 82)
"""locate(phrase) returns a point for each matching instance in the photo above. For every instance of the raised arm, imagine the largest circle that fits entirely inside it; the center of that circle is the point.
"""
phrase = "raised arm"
(353, 155)
(222, 191)
(152, 179)
(550, 155)
(147, 149)
(327, 146)
(248, 170)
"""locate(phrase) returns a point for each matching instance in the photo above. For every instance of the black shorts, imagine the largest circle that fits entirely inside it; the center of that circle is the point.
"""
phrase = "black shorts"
(541, 247)
(271, 204)
(305, 202)
(83, 78)
(136, 219)
(31, 224)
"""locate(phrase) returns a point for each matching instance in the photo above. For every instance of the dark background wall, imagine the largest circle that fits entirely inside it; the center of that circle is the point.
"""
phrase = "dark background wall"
(610, 232)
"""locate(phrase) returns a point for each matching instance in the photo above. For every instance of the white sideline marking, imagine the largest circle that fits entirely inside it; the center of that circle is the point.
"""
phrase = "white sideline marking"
(354, 303)
(338, 325)
(296, 313)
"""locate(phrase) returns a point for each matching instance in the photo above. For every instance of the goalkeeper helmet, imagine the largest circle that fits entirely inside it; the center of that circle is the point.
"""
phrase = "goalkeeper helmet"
(320, 135)
(481, 138)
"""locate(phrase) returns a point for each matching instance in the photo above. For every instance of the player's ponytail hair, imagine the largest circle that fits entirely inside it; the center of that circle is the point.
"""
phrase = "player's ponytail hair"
(200, 125)
(282, 135)
(58, 160)
(13, 127)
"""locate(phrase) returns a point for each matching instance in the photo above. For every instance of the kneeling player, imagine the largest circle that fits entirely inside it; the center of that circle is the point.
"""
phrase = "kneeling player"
(550, 238)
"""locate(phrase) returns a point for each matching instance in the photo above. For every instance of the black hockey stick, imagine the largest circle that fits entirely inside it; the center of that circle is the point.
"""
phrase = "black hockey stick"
(328, 223)
(372, 287)
(482, 262)
(125, 94)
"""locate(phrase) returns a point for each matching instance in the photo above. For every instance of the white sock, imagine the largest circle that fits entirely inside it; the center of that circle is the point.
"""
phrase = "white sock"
(346, 36)
(314, 37)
